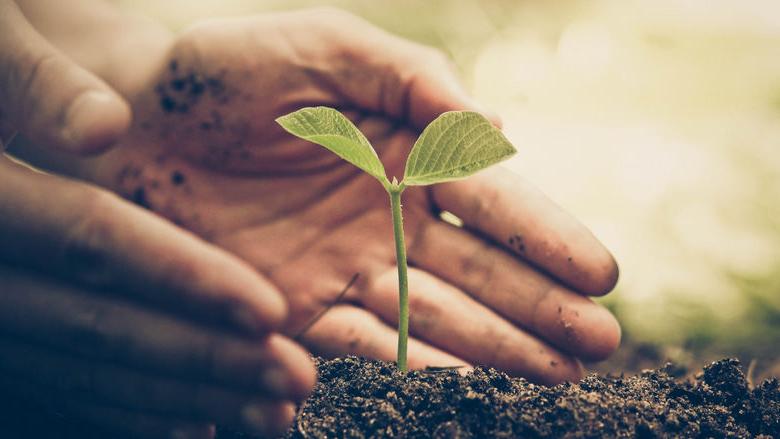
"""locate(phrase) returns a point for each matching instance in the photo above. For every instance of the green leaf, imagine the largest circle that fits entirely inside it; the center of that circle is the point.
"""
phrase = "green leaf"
(329, 128)
(455, 145)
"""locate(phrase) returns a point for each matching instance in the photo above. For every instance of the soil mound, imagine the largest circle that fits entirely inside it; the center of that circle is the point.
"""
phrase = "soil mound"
(359, 398)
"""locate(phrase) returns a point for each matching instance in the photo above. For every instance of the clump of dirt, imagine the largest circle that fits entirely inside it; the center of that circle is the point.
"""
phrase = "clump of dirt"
(359, 398)
(183, 89)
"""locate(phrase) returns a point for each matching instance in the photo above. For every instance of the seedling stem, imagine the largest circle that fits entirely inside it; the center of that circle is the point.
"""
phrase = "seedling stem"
(395, 191)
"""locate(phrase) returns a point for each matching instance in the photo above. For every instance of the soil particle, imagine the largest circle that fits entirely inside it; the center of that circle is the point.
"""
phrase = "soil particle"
(177, 178)
(358, 398)
(139, 198)
(516, 242)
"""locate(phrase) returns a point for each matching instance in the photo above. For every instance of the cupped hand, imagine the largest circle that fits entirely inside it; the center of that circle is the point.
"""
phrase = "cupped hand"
(508, 289)
(113, 315)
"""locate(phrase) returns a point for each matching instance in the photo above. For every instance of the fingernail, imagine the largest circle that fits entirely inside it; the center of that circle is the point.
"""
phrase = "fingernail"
(82, 115)
(275, 381)
(254, 417)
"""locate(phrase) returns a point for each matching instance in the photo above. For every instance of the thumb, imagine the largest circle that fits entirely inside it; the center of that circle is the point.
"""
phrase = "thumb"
(48, 98)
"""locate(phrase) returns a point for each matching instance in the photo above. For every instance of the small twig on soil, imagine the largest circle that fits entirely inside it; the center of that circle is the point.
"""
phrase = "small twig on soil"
(750, 371)
(327, 308)
(298, 424)
(439, 369)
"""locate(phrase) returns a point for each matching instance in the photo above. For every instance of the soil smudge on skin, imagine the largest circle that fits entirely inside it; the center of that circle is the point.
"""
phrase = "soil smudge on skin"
(177, 178)
(516, 242)
(139, 198)
(183, 89)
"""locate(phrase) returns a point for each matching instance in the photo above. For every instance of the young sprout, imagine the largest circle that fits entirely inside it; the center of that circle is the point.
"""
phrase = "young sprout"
(455, 145)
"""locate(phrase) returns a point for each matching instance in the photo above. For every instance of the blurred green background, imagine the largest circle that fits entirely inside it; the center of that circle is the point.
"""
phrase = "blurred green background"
(656, 122)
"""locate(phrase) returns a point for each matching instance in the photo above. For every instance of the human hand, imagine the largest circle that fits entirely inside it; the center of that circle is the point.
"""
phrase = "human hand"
(133, 324)
(507, 290)
(48, 98)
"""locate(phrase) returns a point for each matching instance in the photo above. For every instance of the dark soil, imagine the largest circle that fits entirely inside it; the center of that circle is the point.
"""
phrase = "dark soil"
(358, 398)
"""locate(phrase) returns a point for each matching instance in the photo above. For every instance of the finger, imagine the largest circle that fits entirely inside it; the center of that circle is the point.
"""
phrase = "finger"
(97, 327)
(398, 77)
(137, 391)
(348, 330)
(115, 420)
(50, 99)
(517, 291)
(447, 318)
(83, 233)
(503, 206)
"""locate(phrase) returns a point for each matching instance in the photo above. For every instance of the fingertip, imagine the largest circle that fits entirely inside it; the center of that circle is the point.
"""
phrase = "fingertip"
(285, 414)
(604, 277)
(255, 304)
(275, 308)
(261, 318)
(271, 420)
(297, 373)
(306, 379)
(94, 121)
(569, 370)
(604, 334)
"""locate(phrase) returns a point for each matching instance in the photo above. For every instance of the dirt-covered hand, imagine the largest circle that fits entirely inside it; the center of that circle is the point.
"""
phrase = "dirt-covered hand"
(112, 314)
(508, 290)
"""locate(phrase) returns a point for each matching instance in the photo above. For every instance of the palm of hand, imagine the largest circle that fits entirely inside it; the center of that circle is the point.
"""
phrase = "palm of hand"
(205, 153)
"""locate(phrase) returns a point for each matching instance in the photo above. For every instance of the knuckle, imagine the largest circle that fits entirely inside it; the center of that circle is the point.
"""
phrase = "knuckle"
(31, 77)
(483, 206)
(86, 252)
(479, 267)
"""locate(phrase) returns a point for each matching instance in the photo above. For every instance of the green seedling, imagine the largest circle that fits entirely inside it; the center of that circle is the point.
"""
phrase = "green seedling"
(455, 145)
